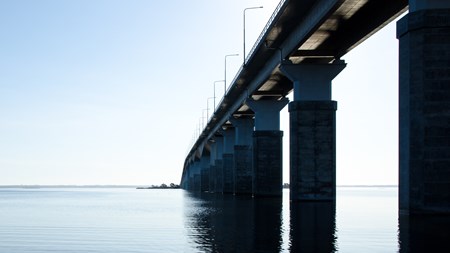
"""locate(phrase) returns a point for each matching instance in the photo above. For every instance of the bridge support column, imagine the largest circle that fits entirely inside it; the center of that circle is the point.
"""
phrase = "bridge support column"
(267, 176)
(243, 156)
(228, 159)
(197, 182)
(204, 173)
(219, 165)
(212, 166)
(185, 178)
(312, 131)
(424, 108)
(190, 177)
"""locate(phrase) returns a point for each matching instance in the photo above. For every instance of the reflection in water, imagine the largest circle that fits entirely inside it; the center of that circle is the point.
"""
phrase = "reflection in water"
(365, 220)
(313, 227)
(227, 223)
(267, 218)
(425, 233)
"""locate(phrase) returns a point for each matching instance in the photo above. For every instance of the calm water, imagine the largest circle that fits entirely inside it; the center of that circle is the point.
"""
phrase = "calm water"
(129, 220)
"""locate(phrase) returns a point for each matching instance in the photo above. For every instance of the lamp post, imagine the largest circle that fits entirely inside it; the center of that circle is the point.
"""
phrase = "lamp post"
(225, 79)
(250, 8)
(207, 108)
(215, 92)
(199, 127)
(203, 118)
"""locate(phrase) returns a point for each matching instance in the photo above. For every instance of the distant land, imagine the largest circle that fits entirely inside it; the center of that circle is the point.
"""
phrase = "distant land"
(162, 186)
(139, 186)
(68, 186)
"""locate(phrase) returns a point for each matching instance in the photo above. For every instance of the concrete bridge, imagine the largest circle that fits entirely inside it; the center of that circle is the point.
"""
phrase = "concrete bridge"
(300, 51)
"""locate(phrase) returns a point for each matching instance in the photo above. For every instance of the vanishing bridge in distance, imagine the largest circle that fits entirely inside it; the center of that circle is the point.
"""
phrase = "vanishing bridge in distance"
(301, 50)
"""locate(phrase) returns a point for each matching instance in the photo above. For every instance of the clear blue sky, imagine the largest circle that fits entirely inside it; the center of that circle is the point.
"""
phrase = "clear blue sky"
(111, 92)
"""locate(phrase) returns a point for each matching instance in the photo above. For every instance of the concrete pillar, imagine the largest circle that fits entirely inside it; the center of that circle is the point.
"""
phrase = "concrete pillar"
(424, 108)
(267, 176)
(219, 164)
(197, 176)
(228, 159)
(212, 166)
(243, 156)
(204, 173)
(312, 131)
(185, 178)
(190, 177)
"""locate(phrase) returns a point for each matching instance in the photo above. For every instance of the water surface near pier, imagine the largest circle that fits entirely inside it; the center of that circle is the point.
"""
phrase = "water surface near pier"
(364, 219)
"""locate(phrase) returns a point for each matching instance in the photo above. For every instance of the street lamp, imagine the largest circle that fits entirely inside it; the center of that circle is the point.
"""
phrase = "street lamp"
(250, 8)
(215, 92)
(225, 80)
(203, 118)
(207, 108)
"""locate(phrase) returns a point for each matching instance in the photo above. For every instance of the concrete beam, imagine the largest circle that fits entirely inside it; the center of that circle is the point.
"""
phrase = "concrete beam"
(312, 82)
(267, 113)
(244, 130)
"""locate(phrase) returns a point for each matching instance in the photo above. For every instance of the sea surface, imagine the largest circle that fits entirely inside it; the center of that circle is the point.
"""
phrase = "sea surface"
(107, 220)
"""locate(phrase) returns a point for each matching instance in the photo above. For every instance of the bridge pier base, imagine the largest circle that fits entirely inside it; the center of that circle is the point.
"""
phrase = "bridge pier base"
(212, 166)
(243, 155)
(312, 131)
(267, 163)
(424, 108)
(219, 176)
(204, 173)
(313, 150)
(218, 168)
(212, 178)
(228, 159)
(267, 177)
(228, 178)
(196, 177)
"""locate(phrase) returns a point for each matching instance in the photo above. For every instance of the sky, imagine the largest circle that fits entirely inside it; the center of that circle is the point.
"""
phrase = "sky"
(112, 92)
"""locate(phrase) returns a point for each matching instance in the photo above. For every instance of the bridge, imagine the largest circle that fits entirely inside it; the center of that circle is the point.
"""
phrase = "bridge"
(300, 51)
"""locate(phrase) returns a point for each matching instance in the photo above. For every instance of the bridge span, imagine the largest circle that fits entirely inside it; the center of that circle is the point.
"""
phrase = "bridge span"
(300, 50)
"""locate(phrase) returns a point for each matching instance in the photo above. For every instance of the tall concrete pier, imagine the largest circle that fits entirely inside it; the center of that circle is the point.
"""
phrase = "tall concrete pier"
(267, 147)
(204, 172)
(424, 102)
(218, 179)
(243, 155)
(313, 131)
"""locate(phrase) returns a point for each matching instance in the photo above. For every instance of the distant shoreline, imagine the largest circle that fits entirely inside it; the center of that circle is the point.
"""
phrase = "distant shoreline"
(68, 186)
(139, 186)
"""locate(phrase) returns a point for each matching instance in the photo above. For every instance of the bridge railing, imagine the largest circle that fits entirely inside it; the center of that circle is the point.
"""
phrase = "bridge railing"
(264, 31)
(262, 35)
(255, 46)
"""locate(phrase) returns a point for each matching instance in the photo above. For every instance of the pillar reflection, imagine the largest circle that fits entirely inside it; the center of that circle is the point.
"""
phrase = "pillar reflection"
(313, 227)
(228, 223)
(424, 233)
(267, 231)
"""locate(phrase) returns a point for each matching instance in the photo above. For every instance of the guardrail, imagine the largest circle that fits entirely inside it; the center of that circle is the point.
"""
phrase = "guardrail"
(238, 73)
(264, 31)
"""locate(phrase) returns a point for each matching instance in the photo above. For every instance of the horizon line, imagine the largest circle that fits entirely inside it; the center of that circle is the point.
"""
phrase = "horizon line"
(140, 185)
